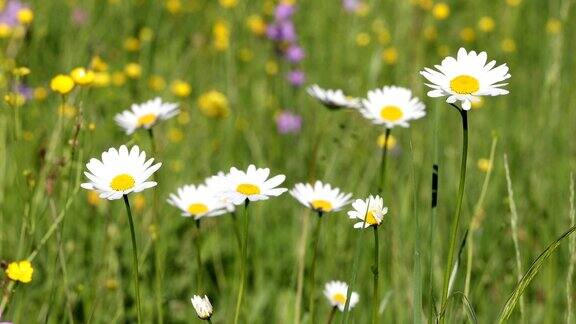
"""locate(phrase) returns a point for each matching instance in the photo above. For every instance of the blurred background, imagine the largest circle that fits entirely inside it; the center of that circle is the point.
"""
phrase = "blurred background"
(239, 70)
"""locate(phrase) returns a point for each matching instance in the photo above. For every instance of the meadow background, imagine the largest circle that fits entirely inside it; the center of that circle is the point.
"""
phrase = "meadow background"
(152, 48)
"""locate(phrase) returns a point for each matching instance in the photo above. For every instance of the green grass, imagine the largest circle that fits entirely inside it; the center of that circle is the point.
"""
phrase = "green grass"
(83, 272)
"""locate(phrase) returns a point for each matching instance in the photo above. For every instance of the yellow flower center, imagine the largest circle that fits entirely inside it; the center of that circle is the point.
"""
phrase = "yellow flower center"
(322, 205)
(371, 218)
(464, 84)
(197, 209)
(122, 182)
(339, 298)
(391, 113)
(146, 120)
(248, 189)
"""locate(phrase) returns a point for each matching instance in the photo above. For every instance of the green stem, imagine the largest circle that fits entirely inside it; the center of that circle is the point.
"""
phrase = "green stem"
(331, 315)
(458, 211)
(134, 256)
(243, 256)
(236, 230)
(383, 161)
(198, 257)
(375, 298)
(315, 239)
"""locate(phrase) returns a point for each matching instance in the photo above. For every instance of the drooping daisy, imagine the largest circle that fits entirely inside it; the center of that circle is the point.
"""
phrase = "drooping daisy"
(197, 201)
(202, 306)
(466, 78)
(252, 184)
(372, 208)
(320, 197)
(337, 292)
(333, 99)
(146, 115)
(392, 106)
(120, 172)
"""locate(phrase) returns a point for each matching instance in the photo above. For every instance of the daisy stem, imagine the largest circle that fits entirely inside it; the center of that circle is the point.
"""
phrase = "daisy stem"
(458, 211)
(312, 283)
(331, 315)
(134, 256)
(383, 161)
(198, 257)
(236, 231)
(243, 257)
(375, 298)
(209, 321)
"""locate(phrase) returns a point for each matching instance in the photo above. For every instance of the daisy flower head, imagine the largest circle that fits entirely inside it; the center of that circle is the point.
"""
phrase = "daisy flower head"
(392, 106)
(252, 185)
(202, 306)
(120, 172)
(370, 212)
(146, 115)
(337, 292)
(320, 197)
(332, 99)
(197, 201)
(466, 78)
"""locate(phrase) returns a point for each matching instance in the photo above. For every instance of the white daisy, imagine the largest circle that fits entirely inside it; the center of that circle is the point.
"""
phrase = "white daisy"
(252, 184)
(197, 201)
(320, 197)
(466, 78)
(202, 306)
(120, 172)
(372, 208)
(337, 292)
(146, 115)
(333, 99)
(392, 106)
(218, 184)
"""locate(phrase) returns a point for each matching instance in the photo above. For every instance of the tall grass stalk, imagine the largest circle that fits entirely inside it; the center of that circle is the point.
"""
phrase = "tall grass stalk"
(375, 299)
(572, 249)
(383, 162)
(458, 210)
(433, 213)
(514, 225)
(134, 257)
(417, 271)
(243, 257)
(312, 283)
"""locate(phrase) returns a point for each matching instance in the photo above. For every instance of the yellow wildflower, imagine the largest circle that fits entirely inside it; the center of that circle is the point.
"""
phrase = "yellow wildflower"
(25, 16)
(21, 71)
(20, 271)
(132, 44)
(362, 39)
(221, 33)
(441, 11)
(484, 165)
(214, 104)
(133, 70)
(513, 3)
(467, 34)
(508, 45)
(40, 93)
(93, 198)
(156, 83)
(486, 24)
(82, 77)
(181, 88)
(256, 25)
(101, 79)
(553, 26)
(391, 142)
(98, 64)
(174, 6)
(5, 30)
(118, 79)
(146, 34)
(228, 3)
(15, 99)
(390, 55)
(62, 84)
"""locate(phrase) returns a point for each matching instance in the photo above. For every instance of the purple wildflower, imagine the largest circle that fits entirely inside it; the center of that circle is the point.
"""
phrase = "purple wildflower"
(296, 77)
(9, 15)
(79, 17)
(351, 5)
(284, 11)
(288, 123)
(295, 54)
(26, 91)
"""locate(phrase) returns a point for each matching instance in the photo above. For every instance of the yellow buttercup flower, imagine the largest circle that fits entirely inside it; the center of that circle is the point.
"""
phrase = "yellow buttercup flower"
(228, 3)
(133, 70)
(62, 84)
(390, 55)
(139, 202)
(118, 79)
(156, 83)
(486, 24)
(430, 33)
(484, 165)
(174, 6)
(441, 11)
(214, 104)
(25, 16)
(21, 71)
(146, 34)
(513, 3)
(553, 26)
(67, 111)
(383, 36)
(175, 135)
(362, 39)
(221, 33)
(181, 88)
(40, 93)
(132, 44)
(93, 198)
(391, 142)
(15, 99)
(101, 79)
(20, 271)
(98, 64)
(468, 34)
(5, 30)
(508, 45)
(245, 54)
(271, 67)
(256, 25)
(82, 77)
